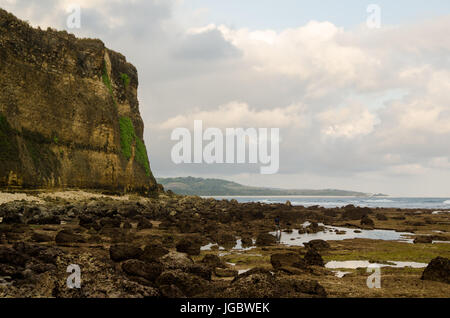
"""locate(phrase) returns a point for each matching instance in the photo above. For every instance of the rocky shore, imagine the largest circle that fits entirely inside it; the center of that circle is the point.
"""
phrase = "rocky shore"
(173, 246)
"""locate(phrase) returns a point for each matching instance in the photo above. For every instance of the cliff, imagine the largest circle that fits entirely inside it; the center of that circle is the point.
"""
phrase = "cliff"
(69, 113)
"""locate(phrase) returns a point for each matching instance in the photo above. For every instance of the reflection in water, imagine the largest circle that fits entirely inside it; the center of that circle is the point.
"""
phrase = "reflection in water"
(365, 264)
(278, 236)
(335, 233)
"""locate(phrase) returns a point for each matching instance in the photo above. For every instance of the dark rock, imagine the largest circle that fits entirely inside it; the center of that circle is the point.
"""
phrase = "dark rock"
(49, 255)
(265, 239)
(148, 271)
(381, 217)
(39, 237)
(355, 213)
(314, 228)
(123, 252)
(86, 221)
(11, 257)
(110, 222)
(127, 225)
(282, 260)
(423, 239)
(438, 270)
(188, 246)
(313, 258)
(11, 271)
(66, 236)
(366, 221)
(41, 267)
(171, 291)
(254, 285)
(201, 271)
(260, 283)
(318, 245)
(305, 287)
(176, 260)
(144, 223)
(227, 240)
(189, 284)
(213, 261)
(246, 241)
(153, 252)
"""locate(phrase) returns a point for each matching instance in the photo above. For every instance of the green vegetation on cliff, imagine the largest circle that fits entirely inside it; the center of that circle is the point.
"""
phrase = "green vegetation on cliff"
(141, 155)
(107, 81)
(127, 137)
(125, 79)
(218, 187)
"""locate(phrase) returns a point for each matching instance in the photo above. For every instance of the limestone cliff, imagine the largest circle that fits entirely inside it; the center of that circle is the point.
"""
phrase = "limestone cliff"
(69, 113)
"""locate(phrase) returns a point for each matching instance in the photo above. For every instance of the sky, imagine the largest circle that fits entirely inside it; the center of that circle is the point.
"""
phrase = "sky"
(358, 108)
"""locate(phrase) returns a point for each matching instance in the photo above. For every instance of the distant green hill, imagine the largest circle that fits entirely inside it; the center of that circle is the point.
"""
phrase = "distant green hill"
(219, 187)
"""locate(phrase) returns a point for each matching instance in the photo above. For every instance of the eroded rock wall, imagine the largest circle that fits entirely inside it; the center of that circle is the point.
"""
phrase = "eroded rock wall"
(69, 113)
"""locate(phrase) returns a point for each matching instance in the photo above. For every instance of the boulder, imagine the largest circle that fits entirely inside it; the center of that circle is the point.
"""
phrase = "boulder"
(246, 241)
(318, 245)
(188, 246)
(286, 260)
(256, 284)
(11, 257)
(227, 240)
(123, 252)
(314, 227)
(438, 270)
(11, 271)
(153, 252)
(313, 258)
(144, 223)
(213, 261)
(171, 291)
(355, 213)
(366, 221)
(423, 239)
(176, 260)
(39, 237)
(190, 285)
(110, 222)
(201, 271)
(381, 217)
(265, 239)
(66, 236)
(148, 271)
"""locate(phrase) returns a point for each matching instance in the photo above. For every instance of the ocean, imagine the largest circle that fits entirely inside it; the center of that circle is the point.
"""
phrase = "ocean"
(333, 202)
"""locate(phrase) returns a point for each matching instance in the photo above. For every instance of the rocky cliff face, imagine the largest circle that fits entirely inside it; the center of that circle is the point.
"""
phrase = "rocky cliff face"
(69, 114)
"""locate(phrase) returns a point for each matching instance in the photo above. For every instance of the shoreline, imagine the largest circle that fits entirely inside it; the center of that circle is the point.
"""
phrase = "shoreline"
(152, 247)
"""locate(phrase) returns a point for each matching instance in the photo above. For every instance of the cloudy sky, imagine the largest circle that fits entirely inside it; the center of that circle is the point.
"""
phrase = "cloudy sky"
(358, 108)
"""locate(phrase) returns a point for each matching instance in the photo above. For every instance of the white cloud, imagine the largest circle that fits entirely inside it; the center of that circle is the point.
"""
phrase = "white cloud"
(238, 114)
(349, 122)
(304, 80)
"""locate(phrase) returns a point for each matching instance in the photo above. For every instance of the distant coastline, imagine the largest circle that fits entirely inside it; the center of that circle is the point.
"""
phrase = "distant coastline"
(220, 187)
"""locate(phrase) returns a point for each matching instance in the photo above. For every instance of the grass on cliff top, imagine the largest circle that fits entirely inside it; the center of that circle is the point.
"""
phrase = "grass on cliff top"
(127, 137)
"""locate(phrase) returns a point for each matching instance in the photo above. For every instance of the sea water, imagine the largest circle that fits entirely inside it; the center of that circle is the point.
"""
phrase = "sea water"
(334, 202)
